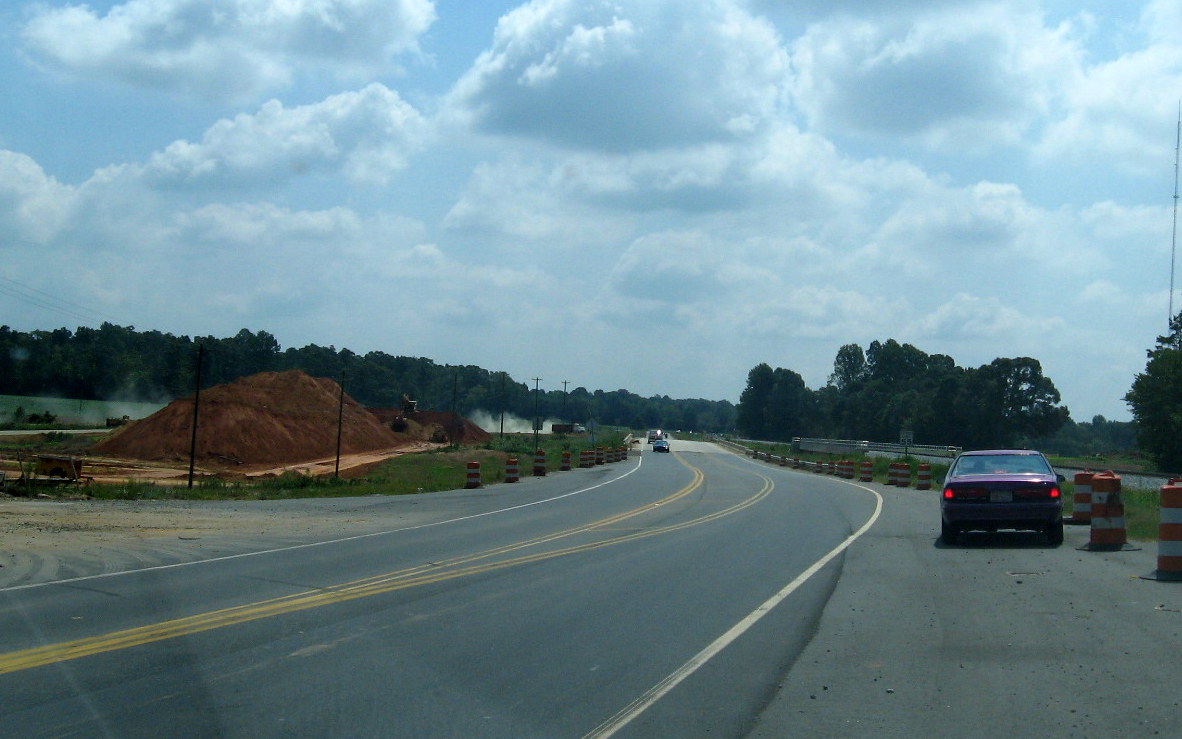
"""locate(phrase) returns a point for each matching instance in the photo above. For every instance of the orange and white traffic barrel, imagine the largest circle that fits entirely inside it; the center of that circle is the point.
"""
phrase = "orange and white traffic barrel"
(540, 463)
(923, 478)
(586, 458)
(867, 471)
(473, 480)
(1169, 533)
(565, 462)
(1081, 502)
(598, 455)
(512, 470)
(900, 475)
(1108, 514)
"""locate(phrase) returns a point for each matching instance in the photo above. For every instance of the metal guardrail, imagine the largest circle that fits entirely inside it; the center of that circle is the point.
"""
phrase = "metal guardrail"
(838, 446)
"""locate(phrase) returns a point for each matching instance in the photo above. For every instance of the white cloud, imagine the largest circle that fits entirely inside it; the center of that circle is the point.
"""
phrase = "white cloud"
(624, 76)
(33, 205)
(224, 49)
(956, 78)
(684, 268)
(365, 135)
(1119, 112)
(965, 316)
(682, 182)
(981, 223)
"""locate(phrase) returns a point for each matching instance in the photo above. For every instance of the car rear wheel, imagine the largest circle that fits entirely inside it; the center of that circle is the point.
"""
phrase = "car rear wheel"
(948, 533)
(1055, 533)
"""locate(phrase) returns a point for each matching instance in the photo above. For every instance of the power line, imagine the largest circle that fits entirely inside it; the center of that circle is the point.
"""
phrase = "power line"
(47, 301)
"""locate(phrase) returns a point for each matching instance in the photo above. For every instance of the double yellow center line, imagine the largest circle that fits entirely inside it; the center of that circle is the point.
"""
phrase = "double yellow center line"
(398, 580)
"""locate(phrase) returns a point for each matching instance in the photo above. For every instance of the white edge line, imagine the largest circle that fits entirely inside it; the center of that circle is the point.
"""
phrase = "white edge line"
(309, 545)
(658, 691)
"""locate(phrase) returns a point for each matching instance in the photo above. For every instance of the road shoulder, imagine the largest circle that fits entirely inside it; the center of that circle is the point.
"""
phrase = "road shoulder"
(1002, 634)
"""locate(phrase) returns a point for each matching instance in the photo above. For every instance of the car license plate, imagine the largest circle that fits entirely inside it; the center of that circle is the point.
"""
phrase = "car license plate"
(1001, 496)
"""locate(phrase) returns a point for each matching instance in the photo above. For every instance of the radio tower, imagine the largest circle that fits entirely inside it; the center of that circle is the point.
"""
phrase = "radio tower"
(1174, 231)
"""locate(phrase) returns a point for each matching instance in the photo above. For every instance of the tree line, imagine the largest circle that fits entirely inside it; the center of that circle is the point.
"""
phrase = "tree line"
(120, 363)
(890, 388)
(1156, 400)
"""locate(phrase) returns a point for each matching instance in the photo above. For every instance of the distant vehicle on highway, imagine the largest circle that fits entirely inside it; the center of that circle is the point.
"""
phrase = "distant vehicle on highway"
(655, 434)
(1001, 489)
(660, 445)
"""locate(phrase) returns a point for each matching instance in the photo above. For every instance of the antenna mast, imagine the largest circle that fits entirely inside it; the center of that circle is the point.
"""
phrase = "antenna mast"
(1174, 231)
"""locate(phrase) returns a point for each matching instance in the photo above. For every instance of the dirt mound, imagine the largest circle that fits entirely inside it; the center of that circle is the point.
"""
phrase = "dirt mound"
(458, 429)
(270, 418)
(434, 426)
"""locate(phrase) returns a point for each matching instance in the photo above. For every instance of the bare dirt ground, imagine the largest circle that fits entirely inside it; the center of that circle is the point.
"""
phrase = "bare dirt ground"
(67, 535)
(113, 471)
(255, 427)
(42, 540)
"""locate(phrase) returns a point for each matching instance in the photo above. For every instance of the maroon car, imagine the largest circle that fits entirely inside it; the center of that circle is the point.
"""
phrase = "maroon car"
(1001, 489)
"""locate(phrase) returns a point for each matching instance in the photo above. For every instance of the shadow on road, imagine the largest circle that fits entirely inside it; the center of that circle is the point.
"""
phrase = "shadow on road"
(997, 540)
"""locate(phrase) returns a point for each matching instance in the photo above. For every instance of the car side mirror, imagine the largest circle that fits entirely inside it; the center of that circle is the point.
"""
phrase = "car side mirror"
(1061, 477)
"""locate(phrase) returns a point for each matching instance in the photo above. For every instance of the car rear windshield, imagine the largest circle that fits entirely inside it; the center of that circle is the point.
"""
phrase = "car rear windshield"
(1002, 464)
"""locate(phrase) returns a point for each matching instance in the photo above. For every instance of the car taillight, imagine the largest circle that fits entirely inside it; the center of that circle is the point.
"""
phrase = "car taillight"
(1037, 493)
(948, 494)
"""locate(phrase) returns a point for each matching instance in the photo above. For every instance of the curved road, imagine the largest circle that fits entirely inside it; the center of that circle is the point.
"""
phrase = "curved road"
(664, 596)
(689, 594)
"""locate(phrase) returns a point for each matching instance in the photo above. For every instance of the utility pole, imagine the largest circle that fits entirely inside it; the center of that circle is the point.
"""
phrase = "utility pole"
(196, 406)
(454, 421)
(336, 472)
(537, 419)
(565, 417)
(504, 376)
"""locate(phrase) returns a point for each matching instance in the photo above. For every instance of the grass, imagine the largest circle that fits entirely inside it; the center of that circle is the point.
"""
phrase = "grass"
(408, 474)
(1142, 510)
(1124, 462)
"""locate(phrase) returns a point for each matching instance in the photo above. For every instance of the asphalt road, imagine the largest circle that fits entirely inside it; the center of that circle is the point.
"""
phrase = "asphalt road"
(585, 603)
(691, 594)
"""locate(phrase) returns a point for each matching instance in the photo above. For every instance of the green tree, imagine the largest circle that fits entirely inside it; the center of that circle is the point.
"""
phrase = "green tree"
(1026, 402)
(849, 368)
(789, 406)
(1156, 400)
(751, 415)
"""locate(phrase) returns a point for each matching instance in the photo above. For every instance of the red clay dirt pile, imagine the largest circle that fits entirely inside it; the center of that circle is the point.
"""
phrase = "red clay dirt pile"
(435, 426)
(272, 418)
(455, 427)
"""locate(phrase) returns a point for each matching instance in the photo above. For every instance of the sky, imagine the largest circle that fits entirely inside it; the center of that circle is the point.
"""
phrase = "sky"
(651, 195)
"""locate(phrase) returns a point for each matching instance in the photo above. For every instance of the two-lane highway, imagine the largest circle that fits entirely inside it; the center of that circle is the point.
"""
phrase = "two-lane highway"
(666, 595)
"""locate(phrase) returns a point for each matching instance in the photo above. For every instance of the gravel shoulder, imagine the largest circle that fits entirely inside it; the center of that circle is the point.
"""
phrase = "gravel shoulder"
(45, 540)
(1001, 635)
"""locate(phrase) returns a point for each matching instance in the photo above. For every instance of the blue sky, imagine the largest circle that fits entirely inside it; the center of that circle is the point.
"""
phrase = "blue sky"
(640, 194)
